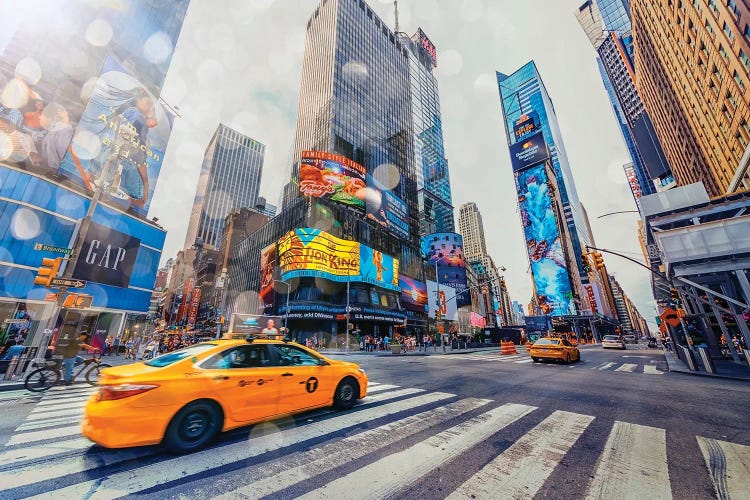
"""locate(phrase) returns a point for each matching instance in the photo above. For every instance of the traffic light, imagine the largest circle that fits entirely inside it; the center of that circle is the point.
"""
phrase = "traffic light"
(48, 271)
(586, 263)
(598, 261)
(674, 296)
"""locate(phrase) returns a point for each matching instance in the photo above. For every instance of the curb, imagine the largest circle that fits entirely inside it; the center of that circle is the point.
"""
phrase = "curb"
(673, 367)
(11, 386)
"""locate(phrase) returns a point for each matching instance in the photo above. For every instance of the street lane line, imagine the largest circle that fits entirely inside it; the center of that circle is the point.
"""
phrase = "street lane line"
(64, 399)
(263, 438)
(606, 366)
(632, 465)
(379, 388)
(287, 471)
(53, 422)
(42, 451)
(525, 361)
(627, 367)
(521, 470)
(729, 466)
(651, 370)
(386, 477)
(43, 435)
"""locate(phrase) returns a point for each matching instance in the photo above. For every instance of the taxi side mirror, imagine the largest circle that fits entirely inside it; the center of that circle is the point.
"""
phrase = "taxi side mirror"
(322, 362)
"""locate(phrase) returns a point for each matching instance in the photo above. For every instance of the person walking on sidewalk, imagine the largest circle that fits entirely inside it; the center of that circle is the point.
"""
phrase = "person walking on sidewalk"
(70, 355)
(116, 345)
(129, 349)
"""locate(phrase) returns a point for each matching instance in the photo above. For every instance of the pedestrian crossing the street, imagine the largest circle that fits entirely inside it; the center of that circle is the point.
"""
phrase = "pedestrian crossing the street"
(389, 442)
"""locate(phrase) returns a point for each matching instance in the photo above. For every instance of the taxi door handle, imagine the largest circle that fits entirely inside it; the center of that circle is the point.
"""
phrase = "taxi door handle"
(221, 377)
(287, 374)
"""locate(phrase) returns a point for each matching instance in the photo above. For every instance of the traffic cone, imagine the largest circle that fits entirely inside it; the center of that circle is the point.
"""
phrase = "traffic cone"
(507, 348)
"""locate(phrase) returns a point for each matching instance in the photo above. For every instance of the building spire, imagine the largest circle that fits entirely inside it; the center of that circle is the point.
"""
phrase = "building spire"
(395, 8)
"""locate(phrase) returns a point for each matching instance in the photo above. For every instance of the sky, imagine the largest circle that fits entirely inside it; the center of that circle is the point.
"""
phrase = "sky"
(238, 62)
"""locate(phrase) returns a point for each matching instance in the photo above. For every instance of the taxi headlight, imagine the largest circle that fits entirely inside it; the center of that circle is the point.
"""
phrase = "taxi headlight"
(362, 371)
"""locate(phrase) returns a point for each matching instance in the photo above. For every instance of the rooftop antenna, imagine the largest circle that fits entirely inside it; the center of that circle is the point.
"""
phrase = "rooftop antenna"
(395, 7)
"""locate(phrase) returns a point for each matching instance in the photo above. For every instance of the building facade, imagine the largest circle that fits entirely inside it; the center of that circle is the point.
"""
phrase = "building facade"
(230, 178)
(621, 305)
(472, 229)
(692, 65)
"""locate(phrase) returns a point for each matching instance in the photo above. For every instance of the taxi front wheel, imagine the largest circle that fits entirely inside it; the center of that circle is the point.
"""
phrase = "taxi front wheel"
(346, 394)
(193, 427)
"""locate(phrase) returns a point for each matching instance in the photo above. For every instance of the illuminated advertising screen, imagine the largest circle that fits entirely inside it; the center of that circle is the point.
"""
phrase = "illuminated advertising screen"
(327, 175)
(125, 129)
(267, 267)
(635, 185)
(526, 125)
(447, 250)
(413, 294)
(427, 45)
(528, 152)
(387, 209)
(447, 297)
(543, 242)
(252, 324)
(310, 252)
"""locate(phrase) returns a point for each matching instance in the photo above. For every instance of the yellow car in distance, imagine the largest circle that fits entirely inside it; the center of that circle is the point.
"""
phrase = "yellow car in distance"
(554, 348)
(183, 399)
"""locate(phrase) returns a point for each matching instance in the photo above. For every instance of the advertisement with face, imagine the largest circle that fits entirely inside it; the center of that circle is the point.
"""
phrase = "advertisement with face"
(413, 294)
(327, 175)
(310, 252)
(543, 242)
(267, 267)
(386, 208)
(447, 297)
(125, 128)
(446, 249)
(252, 324)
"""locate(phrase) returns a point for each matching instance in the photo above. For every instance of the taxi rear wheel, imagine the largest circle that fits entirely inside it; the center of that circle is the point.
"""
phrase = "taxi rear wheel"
(346, 394)
(193, 427)
(567, 359)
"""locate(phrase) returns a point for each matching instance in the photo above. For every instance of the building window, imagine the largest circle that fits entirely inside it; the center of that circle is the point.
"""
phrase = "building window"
(738, 79)
(723, 51)
(744, 59)
(728, 31)
(709, 28)
(733, 7)
(712, 5)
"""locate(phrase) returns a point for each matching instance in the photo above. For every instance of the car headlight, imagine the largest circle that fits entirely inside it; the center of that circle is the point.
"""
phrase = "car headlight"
(362, 371)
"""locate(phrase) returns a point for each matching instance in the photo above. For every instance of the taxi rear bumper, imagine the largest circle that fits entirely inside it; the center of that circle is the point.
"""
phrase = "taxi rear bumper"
(103, 423)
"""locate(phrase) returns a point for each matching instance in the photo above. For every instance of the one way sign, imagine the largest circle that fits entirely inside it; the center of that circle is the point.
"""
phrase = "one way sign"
(72, 283)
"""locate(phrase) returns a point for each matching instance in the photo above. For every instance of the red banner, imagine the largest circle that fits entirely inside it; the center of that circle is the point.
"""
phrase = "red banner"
(195, 302)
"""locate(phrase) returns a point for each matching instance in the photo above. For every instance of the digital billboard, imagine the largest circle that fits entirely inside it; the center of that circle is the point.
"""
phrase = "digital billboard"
(543, 242)
(635, 185)
(387, 209)
(446, 249)
(528, 152)
(107, 256)
(311, 252)
(332, 176)
(427, 45)
(413, 294)
(526, 125)
(267, 268)
(125, 129)
(447, 297)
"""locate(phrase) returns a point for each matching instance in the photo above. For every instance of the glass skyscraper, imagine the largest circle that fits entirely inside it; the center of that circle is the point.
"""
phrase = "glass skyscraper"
(229, 179)
(523, 93)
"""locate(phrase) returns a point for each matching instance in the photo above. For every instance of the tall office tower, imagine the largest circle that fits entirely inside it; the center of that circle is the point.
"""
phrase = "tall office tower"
(433, 180)
(607, 24)
(621, 305)
(692, 61)
(229, 179)
(471, 228)
(527, 109)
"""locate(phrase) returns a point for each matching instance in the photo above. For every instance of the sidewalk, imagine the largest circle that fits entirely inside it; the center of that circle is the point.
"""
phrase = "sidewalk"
(15, 385)
(431, 351)
(725, 369)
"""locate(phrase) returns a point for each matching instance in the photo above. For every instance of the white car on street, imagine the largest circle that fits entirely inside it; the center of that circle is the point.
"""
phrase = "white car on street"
(613, 342)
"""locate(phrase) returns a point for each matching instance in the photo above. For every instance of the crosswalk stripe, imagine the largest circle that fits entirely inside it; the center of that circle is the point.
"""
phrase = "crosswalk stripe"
(264, 437)
(42, 435)
(521, 470)
(379, 388)
(78, 410)
(290, 470)
(58, 407)
(633, 465)
(529, 360)
(62, 400)
(606, 366)
(87, 389)
(53, 422)
(378, 479)
(729, 466)
(46, 450)
(627, 367)
(651, 370)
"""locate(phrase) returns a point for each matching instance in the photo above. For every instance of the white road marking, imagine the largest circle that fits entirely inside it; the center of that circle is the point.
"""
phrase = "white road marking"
(729, 466)
(379, 388)
(263, 438)
(53, 422)
(632, 465)
(521, 470)
(57, 407)
(45, 450)
(606, 366)
(290, 470)
(52, 414)
(651, 370)
(42, 435)
(389, 475)
(525, 361)
(627, 367)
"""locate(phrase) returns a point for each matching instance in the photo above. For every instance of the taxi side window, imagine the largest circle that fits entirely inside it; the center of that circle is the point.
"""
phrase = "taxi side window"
(246, 356)
(565, 342)
(294, 356)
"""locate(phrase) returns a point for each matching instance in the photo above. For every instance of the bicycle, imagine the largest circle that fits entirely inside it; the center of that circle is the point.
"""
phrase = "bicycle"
(49, 372)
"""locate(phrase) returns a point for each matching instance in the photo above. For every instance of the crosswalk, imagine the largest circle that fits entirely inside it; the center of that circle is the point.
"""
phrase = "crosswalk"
(382, 447)
(523, 358)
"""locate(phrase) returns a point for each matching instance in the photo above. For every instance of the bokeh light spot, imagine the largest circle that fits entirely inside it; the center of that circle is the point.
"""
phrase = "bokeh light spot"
(158, 48)
(25, 224)
(99, 33)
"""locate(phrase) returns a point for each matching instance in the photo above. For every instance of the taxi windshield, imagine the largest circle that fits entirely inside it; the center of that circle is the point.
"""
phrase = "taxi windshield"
(174, 357)
(547, 342)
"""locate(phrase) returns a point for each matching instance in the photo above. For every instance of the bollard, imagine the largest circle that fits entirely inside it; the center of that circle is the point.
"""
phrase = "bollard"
(708, 363)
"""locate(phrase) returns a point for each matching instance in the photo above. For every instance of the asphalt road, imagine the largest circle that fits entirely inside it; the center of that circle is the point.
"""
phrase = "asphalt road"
(469, 425)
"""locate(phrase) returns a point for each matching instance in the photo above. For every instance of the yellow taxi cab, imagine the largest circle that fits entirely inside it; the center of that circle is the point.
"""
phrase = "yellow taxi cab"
(554, 348)
(183, 399)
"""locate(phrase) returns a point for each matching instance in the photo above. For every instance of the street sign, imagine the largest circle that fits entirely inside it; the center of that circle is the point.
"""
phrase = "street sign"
(51, 297)
(72, 283)
(78, 301)
(50, 248)
(670, 317)
(12, 321)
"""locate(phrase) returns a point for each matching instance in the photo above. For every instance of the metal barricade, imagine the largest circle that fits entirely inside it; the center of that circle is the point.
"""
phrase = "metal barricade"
(708, 363)
(688, 357)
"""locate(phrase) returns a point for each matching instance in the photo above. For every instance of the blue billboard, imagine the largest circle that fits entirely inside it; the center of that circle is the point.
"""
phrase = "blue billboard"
(544, 243)
(447, 251)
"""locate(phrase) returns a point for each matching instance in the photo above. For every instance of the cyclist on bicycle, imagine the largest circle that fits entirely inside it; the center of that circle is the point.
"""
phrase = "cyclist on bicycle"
(71, 357)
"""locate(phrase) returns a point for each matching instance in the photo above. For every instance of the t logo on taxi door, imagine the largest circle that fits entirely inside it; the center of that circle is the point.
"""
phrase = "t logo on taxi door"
(311, 385)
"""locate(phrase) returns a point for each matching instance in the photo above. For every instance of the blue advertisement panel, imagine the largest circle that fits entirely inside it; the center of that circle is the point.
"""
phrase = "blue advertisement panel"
(543, 242)
(387, 209)
(447, 250)
(413, 294)
(311, 252)
(528, 152)
(125, 128)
